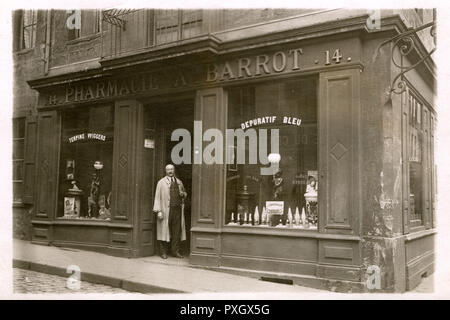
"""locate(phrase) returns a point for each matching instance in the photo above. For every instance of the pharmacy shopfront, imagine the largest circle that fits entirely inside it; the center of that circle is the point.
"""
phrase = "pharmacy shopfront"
(334, 206)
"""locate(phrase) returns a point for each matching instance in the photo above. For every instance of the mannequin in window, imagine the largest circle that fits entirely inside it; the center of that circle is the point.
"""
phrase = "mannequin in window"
(95, 191)
(277, 185)
(94, 195)
(311, 187)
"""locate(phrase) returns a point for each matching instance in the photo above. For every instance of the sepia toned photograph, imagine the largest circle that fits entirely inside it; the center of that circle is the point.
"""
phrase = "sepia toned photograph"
(198, 150)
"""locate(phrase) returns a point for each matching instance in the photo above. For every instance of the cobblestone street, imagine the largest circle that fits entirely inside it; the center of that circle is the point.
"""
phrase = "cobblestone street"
(26, 281)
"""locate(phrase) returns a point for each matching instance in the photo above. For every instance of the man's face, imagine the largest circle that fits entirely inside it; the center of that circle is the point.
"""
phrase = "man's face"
(170, 171)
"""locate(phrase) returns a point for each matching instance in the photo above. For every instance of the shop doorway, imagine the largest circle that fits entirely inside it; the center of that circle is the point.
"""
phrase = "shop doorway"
(164, 118)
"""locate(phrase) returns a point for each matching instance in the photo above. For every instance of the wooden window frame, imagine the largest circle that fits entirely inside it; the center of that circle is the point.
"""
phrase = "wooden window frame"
(427, 159)
(23, 27)
(180, 25)
(76, 34)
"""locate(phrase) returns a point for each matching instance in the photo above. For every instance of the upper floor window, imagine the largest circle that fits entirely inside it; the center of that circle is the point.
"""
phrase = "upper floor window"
(84, 23)
(28, 29)
(173, 25)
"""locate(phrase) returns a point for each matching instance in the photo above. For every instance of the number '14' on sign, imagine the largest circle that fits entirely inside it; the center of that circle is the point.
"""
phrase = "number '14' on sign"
(337, 56)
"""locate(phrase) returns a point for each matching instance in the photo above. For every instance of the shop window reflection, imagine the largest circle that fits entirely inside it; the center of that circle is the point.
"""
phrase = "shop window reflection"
(288, 198)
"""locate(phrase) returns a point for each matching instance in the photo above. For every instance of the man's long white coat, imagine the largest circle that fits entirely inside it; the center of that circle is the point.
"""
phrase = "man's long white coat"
(162, 202)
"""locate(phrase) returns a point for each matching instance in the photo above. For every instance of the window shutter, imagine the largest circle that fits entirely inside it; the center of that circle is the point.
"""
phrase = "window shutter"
(48, 139)
(30, 159)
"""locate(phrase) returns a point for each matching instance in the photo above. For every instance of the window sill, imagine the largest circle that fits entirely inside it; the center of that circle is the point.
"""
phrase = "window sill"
(416, 225)
(417, 234)
(24, 51)
(83, 39)
(18, 205)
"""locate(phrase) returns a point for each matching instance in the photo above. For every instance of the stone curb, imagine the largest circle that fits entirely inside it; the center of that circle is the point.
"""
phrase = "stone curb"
(123, 284)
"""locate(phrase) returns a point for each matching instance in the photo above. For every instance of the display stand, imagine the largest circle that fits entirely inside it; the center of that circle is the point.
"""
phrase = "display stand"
(72, 202)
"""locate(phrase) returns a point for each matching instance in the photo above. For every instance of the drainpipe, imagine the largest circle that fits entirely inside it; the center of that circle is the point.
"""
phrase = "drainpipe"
(47, 42)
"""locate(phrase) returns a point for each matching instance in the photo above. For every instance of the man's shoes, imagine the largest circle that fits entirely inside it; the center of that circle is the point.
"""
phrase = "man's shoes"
(179, 255)
(163, 250)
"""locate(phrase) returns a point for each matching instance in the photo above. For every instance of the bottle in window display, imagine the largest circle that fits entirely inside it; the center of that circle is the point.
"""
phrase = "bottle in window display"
(297, 217)
(256, 216)
(304, 219)
(232, 221)
(289, 218)
(243, 202)
(247, 219)
(264, 216)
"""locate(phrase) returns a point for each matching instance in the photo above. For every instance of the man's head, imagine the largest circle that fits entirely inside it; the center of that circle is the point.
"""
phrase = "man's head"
(170, 170)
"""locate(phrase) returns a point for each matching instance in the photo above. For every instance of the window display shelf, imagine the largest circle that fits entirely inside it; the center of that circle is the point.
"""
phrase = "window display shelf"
(283, 232)
(261, 226)
(80, 222)
(77, 218)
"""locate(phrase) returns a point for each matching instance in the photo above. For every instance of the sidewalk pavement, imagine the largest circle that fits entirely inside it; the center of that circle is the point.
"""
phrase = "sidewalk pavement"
(145, 275)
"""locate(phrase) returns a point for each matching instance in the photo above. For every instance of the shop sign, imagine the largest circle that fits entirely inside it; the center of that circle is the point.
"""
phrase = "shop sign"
(90, 136)
(275, 207)
(254, 66)
(278, 62)
(271, 120)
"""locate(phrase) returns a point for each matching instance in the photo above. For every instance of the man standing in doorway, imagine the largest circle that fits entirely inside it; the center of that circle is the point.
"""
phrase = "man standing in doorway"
(169, 206)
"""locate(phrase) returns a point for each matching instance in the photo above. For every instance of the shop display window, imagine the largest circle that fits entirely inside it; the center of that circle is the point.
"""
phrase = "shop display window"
(289, 197)
(85, 170)
(415, 161)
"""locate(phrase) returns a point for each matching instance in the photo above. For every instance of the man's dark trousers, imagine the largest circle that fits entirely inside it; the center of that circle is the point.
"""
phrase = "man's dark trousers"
(175, 217)
(175, 228)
